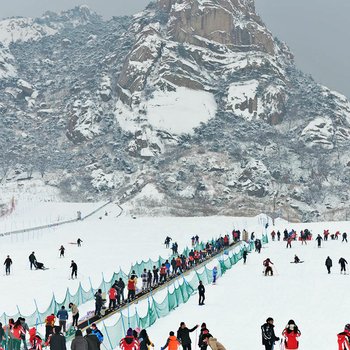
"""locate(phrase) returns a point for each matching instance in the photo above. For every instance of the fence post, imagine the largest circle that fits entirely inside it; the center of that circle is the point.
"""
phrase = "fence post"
(37, 311)
(109, 339)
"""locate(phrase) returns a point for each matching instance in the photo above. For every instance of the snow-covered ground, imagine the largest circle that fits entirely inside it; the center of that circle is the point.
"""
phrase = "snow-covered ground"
(235, 308)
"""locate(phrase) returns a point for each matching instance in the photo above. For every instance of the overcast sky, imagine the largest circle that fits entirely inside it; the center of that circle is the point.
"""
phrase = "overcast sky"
(317, 31)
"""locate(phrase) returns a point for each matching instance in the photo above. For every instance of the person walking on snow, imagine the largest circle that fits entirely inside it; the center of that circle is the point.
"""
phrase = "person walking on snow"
(183, 334)
(215, 274)
(345, 235)
(61, 250)
(74, 268)
(291, 334)
(245, 254)
(204, 330)
(8, 263)
(62, 316)
(201, 291)
(319, 239)
(32, 260)
(75, 314)
(328, 264)
(268, 334)
(172, 342)
(342, 263)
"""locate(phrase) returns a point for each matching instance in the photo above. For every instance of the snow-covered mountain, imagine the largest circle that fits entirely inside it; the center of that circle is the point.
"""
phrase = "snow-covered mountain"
(193, 103)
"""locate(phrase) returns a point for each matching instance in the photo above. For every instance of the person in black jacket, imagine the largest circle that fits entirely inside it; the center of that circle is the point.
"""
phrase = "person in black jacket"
(201, 291)
(268, 334)
(328, 264)
(204, 330)
(183, 334)
(120, 286)
(245, 254)
(32, 260)
(98, 302)
(74, 268)
(57, 340)
(144, 340)
(343, 264)
(92, 340)
(8, 263)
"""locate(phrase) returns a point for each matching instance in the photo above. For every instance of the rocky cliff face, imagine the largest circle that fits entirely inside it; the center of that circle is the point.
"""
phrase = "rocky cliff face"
(193, 103)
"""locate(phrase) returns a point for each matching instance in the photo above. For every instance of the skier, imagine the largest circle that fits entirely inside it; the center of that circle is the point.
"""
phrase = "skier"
(8, 263)
(183, 334)
(268, 268)
(62, 316)
(74, 268)
(289, 241)
(278, 235)
(75, 314)
(345, 235)
(201, 291)
(291, 334)
(296, 259)
(342, 263)
(215, 274)
(172, 342)
(212, 342)
(268, 334)
(167, 241)
(319, 239)
(32, 260)
(61, 250)
(328, 264)
(245, 254)
(344, 338)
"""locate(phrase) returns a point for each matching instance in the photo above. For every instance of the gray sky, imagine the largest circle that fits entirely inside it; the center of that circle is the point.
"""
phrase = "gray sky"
(317, 31)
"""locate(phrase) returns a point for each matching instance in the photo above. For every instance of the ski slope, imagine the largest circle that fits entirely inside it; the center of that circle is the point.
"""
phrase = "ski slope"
(235, 308)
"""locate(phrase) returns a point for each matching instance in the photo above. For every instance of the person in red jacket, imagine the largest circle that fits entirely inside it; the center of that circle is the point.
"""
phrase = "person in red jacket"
(344, 338)
(112, 293)
(129, 342)
(291, 334)
(49, 324)
(132, 287)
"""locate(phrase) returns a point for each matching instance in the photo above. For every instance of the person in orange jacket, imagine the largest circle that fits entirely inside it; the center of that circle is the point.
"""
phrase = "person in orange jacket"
(291, 334)
(172, 342)
(344, 338)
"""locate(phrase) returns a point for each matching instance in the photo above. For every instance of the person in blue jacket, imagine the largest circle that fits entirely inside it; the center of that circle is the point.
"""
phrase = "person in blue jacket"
(215, 273)
(97, 332)
(62, 316)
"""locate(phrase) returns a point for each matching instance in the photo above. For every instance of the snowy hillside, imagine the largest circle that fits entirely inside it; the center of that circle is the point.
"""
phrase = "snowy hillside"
(242, 299)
